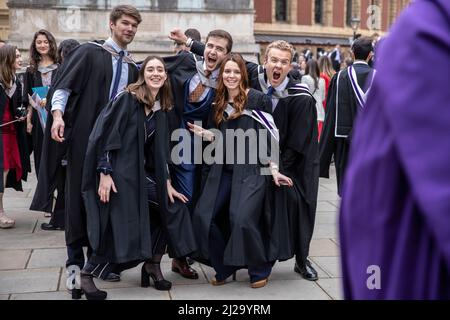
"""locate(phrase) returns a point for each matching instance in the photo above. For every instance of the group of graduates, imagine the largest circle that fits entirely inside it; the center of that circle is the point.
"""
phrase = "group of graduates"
(108, 148)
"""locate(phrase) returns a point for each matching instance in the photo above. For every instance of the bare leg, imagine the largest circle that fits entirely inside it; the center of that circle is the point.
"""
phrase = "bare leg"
(5, 222)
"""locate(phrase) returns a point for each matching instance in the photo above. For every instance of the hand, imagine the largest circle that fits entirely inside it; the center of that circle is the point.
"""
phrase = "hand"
(43, 102)
(104, 189)
(57, 129)
(29, 126)
(281, 180)
(178, 36)
(172, 193)
(199, 131)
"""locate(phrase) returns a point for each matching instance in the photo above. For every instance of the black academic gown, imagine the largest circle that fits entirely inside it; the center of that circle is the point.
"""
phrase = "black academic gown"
(52, 154)
(296, 119)
(252, 214)
(87, 72)
(15, 102)
(180, 68)
(119, 231)
(33, 79)
(348, 109)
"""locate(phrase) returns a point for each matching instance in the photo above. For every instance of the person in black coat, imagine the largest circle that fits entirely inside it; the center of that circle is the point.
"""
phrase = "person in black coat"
(14, 159)
(53, 161)
(232, 220)
(133, 212)
(90, 77)
(42, 69)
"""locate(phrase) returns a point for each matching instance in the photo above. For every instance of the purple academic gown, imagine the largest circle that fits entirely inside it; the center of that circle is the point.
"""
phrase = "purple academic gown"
(395, 211)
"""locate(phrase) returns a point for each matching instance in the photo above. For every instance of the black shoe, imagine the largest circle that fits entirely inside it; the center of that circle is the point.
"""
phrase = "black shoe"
(50, 227)
(90, 290)
(306, 271)
(161, 284)
(190, 261)
(102, 271)
(183, 268)
(111, 277)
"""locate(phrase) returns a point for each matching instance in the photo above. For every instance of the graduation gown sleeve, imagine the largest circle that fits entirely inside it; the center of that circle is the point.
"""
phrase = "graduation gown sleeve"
(328, 140)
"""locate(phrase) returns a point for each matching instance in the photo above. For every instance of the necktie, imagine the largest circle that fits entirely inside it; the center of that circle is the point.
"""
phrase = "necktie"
(118, 75)
(198, 91)
(270, 91)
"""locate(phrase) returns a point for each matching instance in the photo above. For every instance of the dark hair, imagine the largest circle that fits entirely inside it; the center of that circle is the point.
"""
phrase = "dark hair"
(312, 68)
(240, 100)
(142, 92)
(194, 34)
(65, 47)
(7, 61)
(362, 47)
(35, 56)
(124, 10)
(224, 35)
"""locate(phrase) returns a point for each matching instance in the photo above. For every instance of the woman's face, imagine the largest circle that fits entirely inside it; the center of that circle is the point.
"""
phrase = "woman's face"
(42, 45)
(155, 74)
(231, 75)
(18, 63)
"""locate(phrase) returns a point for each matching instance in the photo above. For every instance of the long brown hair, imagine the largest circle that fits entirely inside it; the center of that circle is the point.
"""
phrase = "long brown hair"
(222, 97)
(143, 93)
(7, 63)
(326, 67)
(312, 69)
(35, 56)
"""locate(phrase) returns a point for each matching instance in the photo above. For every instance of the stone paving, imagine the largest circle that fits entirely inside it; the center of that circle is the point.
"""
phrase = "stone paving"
(32, 262)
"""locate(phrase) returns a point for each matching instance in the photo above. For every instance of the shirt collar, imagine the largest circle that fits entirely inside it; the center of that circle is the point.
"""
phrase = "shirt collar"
(282, 86)
(115, 46)
(360, 62)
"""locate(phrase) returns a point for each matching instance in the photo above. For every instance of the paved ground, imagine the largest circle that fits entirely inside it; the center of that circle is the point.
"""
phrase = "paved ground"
(32, 262)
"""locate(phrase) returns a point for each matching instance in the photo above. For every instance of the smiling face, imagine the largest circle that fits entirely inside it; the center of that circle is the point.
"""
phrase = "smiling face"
(231, 75)
(278, 64)
(155, 74)
(215, 52)
(42, 45)
(124, 30)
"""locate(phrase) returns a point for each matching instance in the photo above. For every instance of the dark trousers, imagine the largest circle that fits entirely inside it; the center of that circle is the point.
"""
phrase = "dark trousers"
(75, 254)
(217, 241)
(58, 215)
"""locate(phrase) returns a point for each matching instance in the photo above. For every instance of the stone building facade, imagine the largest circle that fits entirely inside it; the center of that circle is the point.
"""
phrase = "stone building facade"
(314, 24)
(86, 20)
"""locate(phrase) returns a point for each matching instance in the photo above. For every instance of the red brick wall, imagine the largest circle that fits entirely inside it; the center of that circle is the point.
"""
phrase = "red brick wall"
(364, 15)
(263, 11)
(339, 13)
(385, 16)
(304, 12)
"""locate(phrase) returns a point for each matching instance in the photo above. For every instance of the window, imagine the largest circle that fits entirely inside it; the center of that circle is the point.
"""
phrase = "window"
(281, 10)
(318, 11)
(349, 13)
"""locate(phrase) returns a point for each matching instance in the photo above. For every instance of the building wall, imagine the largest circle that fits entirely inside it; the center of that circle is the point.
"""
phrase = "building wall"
(4, 20)
(89, 21)
(305, 33)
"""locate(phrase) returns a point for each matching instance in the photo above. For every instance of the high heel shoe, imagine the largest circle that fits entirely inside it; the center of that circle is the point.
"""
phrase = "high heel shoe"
(162, 284)
(89, 288)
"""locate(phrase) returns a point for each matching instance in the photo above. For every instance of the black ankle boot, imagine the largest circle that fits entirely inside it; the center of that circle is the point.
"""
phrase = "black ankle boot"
(160, 284)
(89, 288)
